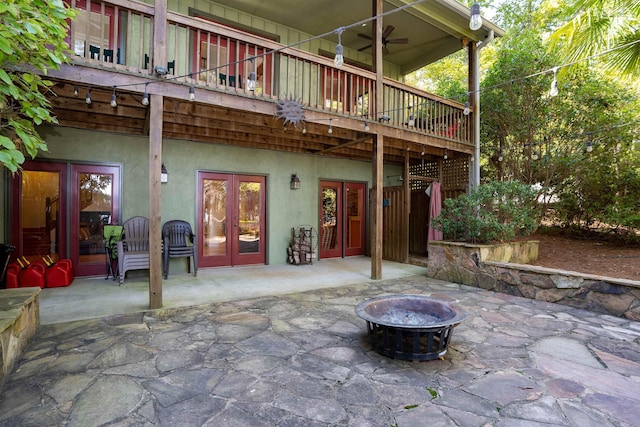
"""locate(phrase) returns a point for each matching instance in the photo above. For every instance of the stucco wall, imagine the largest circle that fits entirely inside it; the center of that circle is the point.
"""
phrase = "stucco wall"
(286, 208)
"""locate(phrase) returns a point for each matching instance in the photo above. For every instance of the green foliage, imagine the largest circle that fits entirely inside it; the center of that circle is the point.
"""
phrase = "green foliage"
(24, 58)
(493, 212)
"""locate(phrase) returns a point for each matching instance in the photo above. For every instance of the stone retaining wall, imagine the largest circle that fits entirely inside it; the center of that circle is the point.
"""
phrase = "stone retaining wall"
(19, 319)
(464, 264)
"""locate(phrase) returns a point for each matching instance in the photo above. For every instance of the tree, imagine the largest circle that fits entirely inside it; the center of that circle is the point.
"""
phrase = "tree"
(32, 41)
(595, 26)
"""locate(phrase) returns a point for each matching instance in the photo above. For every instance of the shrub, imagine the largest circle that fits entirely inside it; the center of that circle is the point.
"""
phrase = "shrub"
(493, 212)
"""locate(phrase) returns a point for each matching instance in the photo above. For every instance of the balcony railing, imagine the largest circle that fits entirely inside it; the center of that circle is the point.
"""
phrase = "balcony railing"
(119, 34)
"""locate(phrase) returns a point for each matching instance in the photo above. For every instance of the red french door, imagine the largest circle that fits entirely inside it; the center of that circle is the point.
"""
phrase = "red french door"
(51, 206)
(342, 219)
(231, 217)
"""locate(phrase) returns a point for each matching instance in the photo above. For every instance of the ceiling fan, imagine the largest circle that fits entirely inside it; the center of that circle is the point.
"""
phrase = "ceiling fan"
(387, 31)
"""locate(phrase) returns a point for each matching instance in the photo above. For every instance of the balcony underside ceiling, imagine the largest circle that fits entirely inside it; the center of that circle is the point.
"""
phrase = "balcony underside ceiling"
(222, 124)
(434, 28)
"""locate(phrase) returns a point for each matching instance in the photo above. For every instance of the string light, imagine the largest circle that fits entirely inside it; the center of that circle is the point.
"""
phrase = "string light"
(192, 93)
(366, 126)
(501, 156)
(338, 61)
(475, 23)
(251, 81)
(554, 84)
(114, 102)
(87, 98)
(466, 109)
(330, 130)
(145, 97)
(75, 91)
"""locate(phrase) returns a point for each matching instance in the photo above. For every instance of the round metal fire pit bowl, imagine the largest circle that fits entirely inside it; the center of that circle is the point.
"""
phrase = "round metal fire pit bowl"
(409, 327)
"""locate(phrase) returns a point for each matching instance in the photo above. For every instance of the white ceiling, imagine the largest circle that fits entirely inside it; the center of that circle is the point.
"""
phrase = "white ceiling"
(434, 28)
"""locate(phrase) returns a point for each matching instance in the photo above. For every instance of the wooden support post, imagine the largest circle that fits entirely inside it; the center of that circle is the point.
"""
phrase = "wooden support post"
(155, 161)
(378, 152)
(407, 208)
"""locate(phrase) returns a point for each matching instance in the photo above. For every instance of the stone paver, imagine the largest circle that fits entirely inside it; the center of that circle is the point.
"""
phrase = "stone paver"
(304, 360)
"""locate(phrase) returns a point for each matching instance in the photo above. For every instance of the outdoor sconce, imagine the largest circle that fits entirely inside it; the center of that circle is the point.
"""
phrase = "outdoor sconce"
(164, 175)
(295, 182)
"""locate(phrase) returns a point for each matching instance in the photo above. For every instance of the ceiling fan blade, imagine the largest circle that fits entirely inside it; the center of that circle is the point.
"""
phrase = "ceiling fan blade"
(399, 41)
(385, 50)
(365, 48)
(364, 36)
(387, 31)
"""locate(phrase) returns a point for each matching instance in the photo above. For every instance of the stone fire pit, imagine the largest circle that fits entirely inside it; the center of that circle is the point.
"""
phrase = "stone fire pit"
(409, 327)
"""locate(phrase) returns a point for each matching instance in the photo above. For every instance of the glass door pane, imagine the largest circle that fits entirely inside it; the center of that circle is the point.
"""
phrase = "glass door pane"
(331, 220)
(94, 205)
(249, 217)
(40, 216)
(355, 219)
(214, 217)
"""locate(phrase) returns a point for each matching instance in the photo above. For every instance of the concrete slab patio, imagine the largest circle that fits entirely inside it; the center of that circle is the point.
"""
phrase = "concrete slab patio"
(302, 359)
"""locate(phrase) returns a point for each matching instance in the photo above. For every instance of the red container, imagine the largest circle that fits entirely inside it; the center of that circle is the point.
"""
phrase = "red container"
(12, 279)
(33, 275)
(59, 274)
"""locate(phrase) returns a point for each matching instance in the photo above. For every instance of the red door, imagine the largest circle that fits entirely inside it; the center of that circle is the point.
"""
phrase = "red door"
(355, 219)
(231, 218)
(342, 219)
(95, 202)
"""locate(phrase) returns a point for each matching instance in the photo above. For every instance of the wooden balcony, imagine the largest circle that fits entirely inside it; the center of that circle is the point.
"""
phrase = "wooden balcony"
(114, 40)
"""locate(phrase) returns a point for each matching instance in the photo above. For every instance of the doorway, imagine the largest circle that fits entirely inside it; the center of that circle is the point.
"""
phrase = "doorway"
(55, 203)
(342, 219)
(231, 217)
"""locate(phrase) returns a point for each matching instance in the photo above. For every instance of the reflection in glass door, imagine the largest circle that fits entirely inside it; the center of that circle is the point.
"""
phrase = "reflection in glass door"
(39, 210)
(94, 204)
(231, 214)
(330, 219)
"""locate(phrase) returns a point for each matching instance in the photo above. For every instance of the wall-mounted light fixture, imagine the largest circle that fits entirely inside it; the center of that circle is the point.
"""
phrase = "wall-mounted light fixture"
(164, 175)
(295, 181)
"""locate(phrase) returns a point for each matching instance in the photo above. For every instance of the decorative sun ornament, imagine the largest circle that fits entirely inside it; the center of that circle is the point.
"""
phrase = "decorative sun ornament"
(291, 111)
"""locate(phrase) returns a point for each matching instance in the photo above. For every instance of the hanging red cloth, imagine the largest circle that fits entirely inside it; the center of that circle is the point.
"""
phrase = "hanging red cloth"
(435, 206)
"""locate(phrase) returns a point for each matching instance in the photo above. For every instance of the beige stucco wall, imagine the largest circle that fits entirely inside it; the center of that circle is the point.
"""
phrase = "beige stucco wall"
(286, 208)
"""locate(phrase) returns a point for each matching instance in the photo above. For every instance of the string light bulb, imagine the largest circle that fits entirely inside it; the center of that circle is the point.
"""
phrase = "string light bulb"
(145, 97)
(75, 91)
(445, 155)
(304, 129)
(338, 61)
(500, 156)
(251, 83)
(475, 22)
(366, 126)
(554, 84)
(87, 98)
(589, 146)
(114, 102)
(534, 156)
(192, 93)
(466, 109)
(330, 130)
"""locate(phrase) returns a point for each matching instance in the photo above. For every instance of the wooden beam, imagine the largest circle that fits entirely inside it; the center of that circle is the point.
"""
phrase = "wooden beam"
(346, 144)
(378, 152)
(155, 162)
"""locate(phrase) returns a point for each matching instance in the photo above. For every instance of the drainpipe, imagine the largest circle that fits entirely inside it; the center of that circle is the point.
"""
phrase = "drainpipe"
(476, 107)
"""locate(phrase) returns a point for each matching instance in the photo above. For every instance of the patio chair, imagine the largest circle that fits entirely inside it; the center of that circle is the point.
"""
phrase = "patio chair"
(133, 249)
(178, 242)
